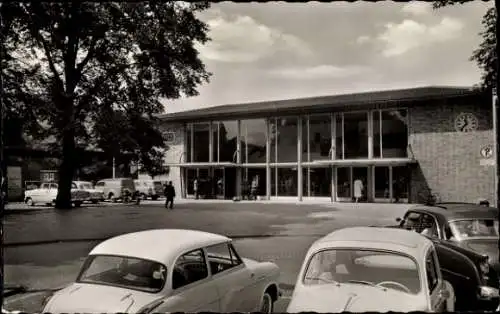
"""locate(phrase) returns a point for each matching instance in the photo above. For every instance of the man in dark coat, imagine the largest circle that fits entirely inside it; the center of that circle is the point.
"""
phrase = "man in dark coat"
(169, 195)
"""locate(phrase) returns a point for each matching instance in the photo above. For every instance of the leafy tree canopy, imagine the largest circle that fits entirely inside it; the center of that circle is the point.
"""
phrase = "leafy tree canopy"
(92, 73)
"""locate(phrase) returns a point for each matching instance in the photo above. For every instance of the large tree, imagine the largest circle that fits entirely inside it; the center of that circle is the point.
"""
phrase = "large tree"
(93, 73)
(485, 55)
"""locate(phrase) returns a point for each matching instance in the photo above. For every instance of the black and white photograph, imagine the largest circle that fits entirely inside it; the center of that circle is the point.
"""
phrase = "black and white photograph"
(272, 157)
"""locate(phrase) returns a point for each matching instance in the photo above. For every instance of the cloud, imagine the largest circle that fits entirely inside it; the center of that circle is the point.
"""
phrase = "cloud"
(417, 8)
(320, 72)
(363, 39)
(243, 39)
(409, 34)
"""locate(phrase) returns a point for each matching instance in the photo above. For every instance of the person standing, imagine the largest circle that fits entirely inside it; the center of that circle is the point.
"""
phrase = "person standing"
(358, 190)
(195, 188)
(169, 195)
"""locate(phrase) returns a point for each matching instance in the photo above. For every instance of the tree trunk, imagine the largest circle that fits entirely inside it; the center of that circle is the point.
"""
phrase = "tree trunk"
(66, 170)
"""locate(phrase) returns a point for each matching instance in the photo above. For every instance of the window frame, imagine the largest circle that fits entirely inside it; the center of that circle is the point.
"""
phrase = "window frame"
(435, 284)
(190, 284)
(436, 223)
(231, 250)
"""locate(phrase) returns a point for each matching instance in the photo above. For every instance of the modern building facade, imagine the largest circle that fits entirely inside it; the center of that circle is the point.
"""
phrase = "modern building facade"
(403, 145)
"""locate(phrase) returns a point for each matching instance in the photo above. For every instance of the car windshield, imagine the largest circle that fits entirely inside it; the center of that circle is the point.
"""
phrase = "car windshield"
(366, 267)
(471, 228)
(85, 186)
(125, 272)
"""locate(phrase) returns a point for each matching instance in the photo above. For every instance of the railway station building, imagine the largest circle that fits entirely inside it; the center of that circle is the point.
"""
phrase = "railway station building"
(402, 145)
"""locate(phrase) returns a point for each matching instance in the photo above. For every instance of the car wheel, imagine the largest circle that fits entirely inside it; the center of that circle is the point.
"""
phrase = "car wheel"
(266, 305)
(154, 197)
(29, 201)
(95, 201)
(77, 204)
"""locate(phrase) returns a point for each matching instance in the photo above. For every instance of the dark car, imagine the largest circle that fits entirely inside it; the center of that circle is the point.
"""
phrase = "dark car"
(466, 240)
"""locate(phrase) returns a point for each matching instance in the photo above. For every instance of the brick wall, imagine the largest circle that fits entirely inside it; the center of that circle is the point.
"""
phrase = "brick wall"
(449, 161)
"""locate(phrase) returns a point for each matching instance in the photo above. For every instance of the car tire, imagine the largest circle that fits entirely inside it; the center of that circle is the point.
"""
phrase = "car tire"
(266, 304)
(95, 201)
(154, 197)
(77, 203)
(29, 201)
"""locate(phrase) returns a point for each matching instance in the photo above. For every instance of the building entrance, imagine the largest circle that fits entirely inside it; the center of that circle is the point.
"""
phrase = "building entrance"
(352, 184)
(212, 182)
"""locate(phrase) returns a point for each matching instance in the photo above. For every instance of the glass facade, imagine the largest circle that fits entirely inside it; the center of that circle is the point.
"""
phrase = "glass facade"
(225, 141)
(253, 141)
(325, 137)
(284, 132)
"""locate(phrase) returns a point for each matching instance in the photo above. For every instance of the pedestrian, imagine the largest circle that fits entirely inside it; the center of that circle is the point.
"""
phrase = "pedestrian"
(169, 195)
(195, 188)
(358, 190)
(255, 187)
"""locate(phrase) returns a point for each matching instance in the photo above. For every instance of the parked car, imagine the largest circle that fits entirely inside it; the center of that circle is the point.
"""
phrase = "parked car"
(368, 269)
(47, 194)
(466, 240)
(95, 196)
(116, 189)
(168, 270)
(149, 188)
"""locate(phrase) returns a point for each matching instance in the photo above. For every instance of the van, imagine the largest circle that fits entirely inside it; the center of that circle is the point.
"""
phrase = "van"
(116, 189)
(149, 188)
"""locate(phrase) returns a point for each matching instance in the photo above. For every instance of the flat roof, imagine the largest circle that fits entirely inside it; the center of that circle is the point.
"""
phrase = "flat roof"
(299, 105)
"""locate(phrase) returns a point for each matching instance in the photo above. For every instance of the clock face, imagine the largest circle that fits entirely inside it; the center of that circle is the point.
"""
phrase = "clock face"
(466, 122)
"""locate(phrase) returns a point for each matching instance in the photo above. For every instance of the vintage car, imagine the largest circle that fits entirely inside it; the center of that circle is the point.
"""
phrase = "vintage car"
(369, 269)
(149, 189)
(466, 241)
(168, 270)
(95, 196)
(47, 194)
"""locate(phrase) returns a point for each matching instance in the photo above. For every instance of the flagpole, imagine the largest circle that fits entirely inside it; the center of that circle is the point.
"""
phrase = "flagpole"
(495, 146)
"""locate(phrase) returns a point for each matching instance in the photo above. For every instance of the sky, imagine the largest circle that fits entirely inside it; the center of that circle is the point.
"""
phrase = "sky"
(280, 50)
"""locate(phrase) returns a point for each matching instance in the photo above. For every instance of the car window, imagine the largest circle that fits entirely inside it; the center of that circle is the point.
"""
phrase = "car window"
(470, 228)
(222, 257)
(411, 220)
(122, 271)
(363, 267)
(428, 226)
(53, 186)
(430, 269)
(189, 268)
(45, 186)
(73, 186)
(100, 184)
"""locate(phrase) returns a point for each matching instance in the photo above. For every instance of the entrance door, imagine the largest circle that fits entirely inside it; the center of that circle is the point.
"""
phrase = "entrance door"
(346, 187)
(220, 182)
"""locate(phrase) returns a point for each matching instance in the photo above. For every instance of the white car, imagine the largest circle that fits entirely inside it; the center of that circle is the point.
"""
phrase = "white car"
(367, 269)
(168, 270)
(47, 194)
(95, 196)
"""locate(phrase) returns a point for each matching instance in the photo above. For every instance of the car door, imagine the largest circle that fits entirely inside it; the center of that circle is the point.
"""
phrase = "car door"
(193, 289)
(232, 278)
(50, 193)
(436, 288)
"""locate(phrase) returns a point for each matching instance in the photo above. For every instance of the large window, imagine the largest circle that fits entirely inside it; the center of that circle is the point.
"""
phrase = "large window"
(201, 142)
(253, 141)
(189, 143)
(382, 183)
(284, 132)
(284, 181)
(225, 137)
(318, 138)
(339, 132)
(400, 180)
(377, 134)
(355, 135)
(344, 182)
(318, 183)
(394, 133)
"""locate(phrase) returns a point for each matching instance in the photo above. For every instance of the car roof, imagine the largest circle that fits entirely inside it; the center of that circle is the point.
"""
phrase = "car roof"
(394, 239)
(78, 182)
(160, 245)
(452, 211)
